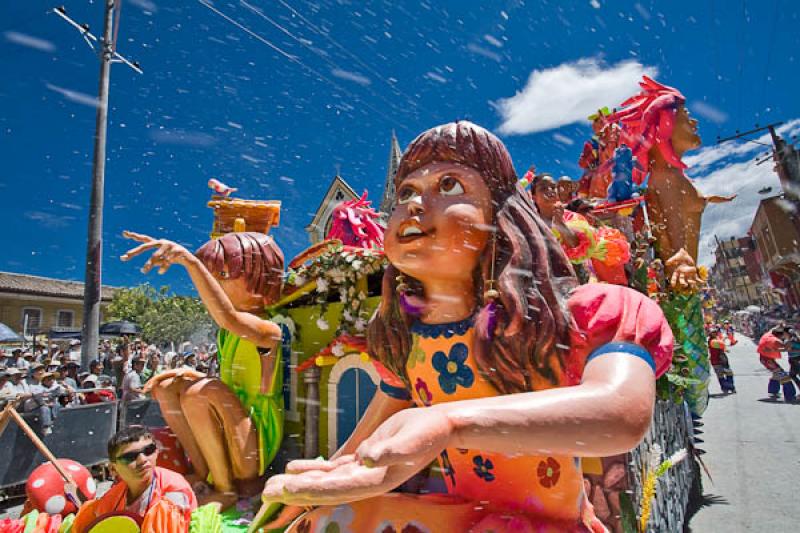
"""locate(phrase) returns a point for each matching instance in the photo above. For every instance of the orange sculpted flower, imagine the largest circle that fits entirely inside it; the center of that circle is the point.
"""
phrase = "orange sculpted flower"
(549, 471)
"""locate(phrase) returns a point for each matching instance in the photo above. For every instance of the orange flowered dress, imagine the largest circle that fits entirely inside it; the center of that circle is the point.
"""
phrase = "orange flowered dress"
(492, 491)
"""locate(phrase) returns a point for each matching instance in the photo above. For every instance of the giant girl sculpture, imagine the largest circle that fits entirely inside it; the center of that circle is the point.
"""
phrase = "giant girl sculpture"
(498, 366)
(230, 427)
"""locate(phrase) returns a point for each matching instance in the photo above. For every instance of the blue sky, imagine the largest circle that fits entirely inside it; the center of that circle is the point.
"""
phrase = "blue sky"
(274, 106)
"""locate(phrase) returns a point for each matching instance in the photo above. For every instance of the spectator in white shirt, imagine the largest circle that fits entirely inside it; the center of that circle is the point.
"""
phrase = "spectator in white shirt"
(25, 362)
(132, 383)
(43, 399)
(6, 388)
(19, 386)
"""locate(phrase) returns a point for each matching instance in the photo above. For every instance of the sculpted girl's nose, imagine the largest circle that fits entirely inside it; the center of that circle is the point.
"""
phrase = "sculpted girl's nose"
(415, 205)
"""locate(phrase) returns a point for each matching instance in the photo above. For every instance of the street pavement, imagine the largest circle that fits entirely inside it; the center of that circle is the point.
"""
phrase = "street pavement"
(753, 448)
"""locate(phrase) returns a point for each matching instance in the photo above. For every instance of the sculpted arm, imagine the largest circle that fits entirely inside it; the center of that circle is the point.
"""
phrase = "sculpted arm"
(607, 414)
(263, 333)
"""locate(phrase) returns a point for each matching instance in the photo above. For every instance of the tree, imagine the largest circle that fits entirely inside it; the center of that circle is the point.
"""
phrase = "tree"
(163, 316)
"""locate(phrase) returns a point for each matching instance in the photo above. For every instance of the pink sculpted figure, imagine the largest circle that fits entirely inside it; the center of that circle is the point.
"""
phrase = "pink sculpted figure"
(355, 223)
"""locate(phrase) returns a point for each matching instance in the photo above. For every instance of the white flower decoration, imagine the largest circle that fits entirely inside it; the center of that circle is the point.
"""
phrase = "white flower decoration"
(322, 324)
(322, 285)
(337, 350)
(360, 324)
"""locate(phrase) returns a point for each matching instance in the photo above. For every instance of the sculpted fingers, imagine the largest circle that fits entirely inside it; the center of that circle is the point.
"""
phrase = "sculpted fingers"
(133, 252)
(141, 237)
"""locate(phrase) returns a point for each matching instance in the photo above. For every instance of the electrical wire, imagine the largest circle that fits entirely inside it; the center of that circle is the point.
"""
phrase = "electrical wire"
(315, 51)
(357, 59)
(296, 60)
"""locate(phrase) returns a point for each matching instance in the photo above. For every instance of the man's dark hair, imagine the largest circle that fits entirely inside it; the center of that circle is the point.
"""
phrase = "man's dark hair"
(126, 436)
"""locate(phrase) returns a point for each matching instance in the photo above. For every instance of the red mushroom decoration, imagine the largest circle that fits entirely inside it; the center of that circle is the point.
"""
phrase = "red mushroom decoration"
(45, 487)
(170, 451)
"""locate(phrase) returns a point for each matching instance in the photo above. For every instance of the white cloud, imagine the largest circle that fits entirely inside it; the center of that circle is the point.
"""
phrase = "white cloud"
(563, 139)
(731, 168)
(708, 111)
(355, 77)
(481, 51)
(30, 41)
(75, 96)
(569, 93)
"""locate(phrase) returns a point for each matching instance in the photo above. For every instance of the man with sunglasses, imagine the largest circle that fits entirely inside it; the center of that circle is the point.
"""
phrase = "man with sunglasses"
(158, 499)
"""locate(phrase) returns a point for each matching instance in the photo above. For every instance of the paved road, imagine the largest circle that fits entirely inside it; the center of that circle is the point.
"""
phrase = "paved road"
(753, 454)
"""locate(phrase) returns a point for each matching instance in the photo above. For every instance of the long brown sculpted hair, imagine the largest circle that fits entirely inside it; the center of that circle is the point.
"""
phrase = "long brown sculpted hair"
(533, 275)
(253, 255)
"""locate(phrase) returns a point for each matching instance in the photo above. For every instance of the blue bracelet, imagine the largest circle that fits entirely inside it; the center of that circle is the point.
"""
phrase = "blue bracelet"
(398, 393)
(624, 347)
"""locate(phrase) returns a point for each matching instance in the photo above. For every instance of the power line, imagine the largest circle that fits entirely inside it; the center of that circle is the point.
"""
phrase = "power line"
(253, 34)
(296, 60)
(304, 43)
(357, 59)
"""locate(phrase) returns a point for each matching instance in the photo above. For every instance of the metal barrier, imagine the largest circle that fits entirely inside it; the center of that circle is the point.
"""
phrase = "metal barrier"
(142, 413)
(79, 433)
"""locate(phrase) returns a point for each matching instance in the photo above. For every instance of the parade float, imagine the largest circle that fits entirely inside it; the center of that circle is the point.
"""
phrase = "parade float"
(330, 363)
(613, 475)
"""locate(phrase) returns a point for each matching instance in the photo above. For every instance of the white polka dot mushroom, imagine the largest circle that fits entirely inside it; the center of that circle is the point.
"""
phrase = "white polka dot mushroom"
(45, 487)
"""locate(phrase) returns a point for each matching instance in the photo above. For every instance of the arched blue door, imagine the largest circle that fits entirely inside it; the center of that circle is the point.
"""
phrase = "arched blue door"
(353, 394)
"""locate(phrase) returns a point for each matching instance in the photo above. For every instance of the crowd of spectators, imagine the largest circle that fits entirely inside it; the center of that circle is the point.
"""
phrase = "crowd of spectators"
(45, 380)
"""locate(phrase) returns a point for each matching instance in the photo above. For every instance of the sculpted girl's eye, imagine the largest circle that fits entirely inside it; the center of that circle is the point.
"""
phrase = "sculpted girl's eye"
(449, 186)
(405, 194)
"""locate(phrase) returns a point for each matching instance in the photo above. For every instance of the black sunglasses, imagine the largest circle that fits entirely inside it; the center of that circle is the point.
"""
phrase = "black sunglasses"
(128, 458)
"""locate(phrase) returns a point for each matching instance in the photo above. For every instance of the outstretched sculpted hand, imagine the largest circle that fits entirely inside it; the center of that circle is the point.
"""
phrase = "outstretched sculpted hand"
(167, 253)
(681, 271)
(402, 446)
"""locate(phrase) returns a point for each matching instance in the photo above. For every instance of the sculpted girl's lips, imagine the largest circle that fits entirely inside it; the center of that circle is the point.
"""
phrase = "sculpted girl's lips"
(409, 231)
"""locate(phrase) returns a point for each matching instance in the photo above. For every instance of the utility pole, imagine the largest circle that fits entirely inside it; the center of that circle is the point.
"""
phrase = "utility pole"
(92, 289)
(785, 155)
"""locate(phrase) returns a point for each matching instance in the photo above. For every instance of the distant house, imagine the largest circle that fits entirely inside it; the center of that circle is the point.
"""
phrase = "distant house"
(36, 305)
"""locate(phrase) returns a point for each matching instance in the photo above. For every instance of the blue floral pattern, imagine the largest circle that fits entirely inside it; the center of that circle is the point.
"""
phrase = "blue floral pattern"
(452, 368)
(483, 468)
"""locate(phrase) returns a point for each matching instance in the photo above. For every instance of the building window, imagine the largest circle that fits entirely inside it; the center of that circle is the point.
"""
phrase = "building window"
(64, 318)
(31, 318)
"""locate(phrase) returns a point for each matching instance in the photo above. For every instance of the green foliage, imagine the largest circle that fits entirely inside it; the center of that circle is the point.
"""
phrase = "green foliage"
(163, 316)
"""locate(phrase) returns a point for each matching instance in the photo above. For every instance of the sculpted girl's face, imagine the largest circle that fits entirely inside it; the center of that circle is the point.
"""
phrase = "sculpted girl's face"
(242, 298)
(441, 223)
